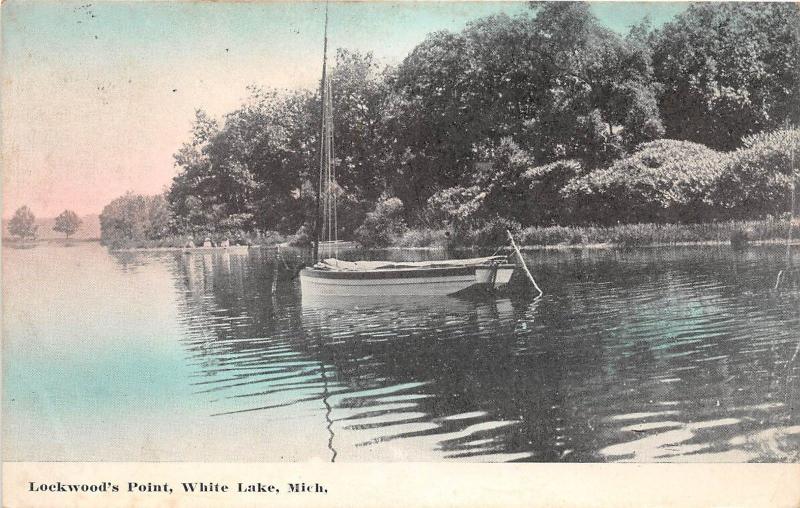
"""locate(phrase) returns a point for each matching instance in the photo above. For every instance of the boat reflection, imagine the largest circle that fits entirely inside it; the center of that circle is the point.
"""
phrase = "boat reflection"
(390, 378)
(412, 379)
(611, 365)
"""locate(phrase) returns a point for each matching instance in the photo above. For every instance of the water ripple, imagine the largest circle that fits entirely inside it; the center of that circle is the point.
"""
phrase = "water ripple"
(673, 355)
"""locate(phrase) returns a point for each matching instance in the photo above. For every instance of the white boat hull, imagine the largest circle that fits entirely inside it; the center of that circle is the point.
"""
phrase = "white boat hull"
(426, 282)
(502, 275)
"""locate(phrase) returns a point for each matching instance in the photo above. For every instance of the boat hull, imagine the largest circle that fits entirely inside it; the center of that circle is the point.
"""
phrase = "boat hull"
(415, 282)
(496, 276)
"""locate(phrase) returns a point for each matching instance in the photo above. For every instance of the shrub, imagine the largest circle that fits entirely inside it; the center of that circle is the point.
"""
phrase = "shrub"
(494, 232)
(757, 178)
(663, 180)
(544, 183)
(382, 224)
(632, 236)
(458, 206)
(421, 238)
(236, 222)
(301, 238)
(267, 238)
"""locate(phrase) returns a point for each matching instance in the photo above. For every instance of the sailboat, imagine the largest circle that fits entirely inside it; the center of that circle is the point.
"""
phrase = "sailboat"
(334, 277)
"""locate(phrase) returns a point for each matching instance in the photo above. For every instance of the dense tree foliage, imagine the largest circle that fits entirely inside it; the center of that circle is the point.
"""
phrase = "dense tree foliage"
(757, 178)
(132, 218)
(557, 84)
(545, 185)
(23, 224)
(729, 69)
(382, 224)
(67, 222)
(244, 174)
(455, 206)
(664, 180)
(546, 117)
(681, 181)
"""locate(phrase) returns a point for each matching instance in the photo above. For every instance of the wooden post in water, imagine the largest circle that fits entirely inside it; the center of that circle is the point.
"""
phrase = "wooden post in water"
(791, 209)
(791, 218)
(524, 266)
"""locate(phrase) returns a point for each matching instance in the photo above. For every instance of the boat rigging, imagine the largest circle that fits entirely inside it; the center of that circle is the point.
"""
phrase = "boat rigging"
(331, 276)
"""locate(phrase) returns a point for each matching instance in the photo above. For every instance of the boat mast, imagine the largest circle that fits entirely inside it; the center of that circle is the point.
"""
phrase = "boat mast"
(322, 139)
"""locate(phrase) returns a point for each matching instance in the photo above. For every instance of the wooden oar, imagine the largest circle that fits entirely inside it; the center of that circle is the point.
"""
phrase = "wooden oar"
(524, 266)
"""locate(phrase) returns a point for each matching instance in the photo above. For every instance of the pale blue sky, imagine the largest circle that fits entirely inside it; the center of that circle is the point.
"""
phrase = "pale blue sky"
(96, 97)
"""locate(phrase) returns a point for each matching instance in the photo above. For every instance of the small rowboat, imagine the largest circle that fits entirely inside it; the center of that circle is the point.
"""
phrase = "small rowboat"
(333, 277)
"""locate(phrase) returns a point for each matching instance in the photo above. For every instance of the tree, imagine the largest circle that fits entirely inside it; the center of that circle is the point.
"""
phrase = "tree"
(382, 224)
(23, 224)
(247, 173)
(132, 217)
(729, 69)
(546, 203)
(502, 179)
(549, 107)
(557, 83)
(598, 98)
(68, 223)
(459, 207)
(359, 92)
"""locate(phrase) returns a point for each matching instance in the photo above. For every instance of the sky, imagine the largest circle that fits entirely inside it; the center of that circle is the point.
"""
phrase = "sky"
(96, 97)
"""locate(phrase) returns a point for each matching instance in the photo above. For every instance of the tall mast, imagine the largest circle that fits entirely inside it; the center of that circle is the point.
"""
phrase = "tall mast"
(322, 138)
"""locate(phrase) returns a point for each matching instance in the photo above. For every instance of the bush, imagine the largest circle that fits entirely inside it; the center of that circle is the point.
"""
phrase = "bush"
(302, 238)
(382, 225)
(236, 222)
(757, 178)
(494, 233)
(664, 180)
(549, 235)
(632, 236)
(268, 238)
(421, 238)
(458, 206)
(544, 185)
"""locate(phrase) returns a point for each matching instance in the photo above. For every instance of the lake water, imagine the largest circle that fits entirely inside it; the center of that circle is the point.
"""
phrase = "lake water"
(685, 354)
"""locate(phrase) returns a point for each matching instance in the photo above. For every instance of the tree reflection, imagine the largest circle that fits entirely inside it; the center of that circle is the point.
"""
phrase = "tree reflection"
(619, 335)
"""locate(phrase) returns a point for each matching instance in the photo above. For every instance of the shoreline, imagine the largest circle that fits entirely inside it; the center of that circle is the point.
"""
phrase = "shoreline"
(609, 245)
(232, 248)
(523, 248)
(486, 236)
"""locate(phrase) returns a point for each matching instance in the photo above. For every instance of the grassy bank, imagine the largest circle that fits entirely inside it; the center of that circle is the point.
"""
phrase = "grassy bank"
(493, 235)
(622, 235)
(268, 239)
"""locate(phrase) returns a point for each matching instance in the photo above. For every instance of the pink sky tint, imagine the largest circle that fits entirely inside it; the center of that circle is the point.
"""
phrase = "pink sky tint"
(77, 137)
(97, 97)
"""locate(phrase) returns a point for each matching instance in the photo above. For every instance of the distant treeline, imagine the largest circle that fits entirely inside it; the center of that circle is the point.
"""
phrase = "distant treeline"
(25, 226)
(544, 118)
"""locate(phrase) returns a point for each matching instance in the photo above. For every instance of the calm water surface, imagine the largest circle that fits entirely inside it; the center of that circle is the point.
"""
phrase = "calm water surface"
(648, 355)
